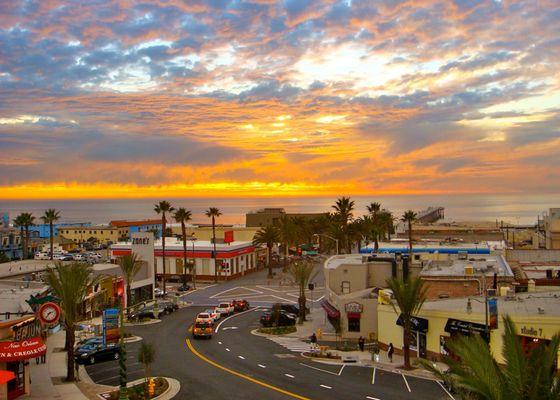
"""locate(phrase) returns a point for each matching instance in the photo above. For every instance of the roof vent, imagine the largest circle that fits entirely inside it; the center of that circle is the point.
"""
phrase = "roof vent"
(541, 310)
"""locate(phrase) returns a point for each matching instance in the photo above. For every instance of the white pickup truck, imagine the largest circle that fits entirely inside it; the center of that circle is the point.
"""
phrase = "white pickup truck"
(225, 309)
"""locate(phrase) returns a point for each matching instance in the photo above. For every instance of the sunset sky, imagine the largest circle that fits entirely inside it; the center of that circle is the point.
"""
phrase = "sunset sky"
(266, 98)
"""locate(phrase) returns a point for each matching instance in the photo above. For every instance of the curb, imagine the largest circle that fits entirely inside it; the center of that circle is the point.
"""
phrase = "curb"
(268, 335)
(173, 387)
(150, 322)
(132, 339)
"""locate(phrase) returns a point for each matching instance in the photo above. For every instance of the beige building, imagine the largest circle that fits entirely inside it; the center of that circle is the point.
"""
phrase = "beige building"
(105, 234)
(552, 229)
(352, 284)
(204, 232)
(271, 216)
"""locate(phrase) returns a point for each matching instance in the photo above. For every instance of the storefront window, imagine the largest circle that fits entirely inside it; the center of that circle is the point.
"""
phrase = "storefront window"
(353, 322)
(345, 287)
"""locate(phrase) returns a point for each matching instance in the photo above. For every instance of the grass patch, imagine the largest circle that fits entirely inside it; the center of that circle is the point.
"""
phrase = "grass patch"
(278, 330)
(140, 390)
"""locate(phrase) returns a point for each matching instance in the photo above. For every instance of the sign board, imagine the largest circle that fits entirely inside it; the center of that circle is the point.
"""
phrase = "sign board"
(27, 329)
(228, 236)
(354, 307)
(110, 325)
(22, 349)
(493, 313)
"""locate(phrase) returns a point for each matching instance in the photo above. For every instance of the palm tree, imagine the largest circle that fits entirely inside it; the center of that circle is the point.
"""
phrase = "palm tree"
(374, 210)
(410, 295)
(146, 357)
(70, 284)
(24, 221)
(50, 217)
(268, 236)
(343, 212)
(301, 272)
(409, 217)
(183, 216)
(478, 376)
(161, 208)
(213, 213)
(287, 231)
(130, 265)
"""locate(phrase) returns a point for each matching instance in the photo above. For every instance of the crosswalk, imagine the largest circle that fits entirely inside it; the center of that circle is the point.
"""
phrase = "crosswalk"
(292, 344)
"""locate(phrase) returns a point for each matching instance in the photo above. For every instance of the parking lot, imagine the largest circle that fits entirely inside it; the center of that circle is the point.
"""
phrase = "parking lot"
(107, 372)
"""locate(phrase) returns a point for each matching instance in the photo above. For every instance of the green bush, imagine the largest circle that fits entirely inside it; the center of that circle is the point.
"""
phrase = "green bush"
(278, 330)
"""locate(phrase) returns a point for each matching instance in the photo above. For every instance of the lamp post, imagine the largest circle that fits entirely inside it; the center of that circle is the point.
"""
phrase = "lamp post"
(193, 239)
(329, 237)
(485, 302)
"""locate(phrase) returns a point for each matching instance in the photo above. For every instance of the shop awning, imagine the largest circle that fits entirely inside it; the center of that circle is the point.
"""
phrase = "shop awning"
(22, 350)
(464, 327)
(418, 324)
(6, 376)
(329, 308)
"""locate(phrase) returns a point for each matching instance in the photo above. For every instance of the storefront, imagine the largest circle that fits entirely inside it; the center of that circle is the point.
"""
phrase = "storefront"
(418, 341)
(353, 315)
(20, 341)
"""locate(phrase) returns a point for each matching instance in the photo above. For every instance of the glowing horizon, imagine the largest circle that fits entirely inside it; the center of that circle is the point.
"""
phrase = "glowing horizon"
(288, 98)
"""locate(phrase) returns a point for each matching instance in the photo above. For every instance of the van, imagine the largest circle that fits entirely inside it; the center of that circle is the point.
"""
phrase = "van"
(202, 328)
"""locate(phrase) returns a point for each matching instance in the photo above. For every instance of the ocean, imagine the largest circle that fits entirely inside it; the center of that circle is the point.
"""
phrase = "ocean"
(514, 208)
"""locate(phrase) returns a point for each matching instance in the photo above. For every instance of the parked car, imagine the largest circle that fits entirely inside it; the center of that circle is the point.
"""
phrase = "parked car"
(41, 256)
(145, 312)
(284, 318)
(167, 306)
(92, 340)
(213, 314)
(164, 307)
(92, 353)
(202, 329)
(240, 305)
(65, 257)
(184, 288)
(158, 292)
(290, 308)
(225, 308)
(80, 257)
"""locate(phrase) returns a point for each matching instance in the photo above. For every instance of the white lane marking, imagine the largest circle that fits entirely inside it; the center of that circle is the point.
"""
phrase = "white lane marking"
(262, 366)
(219, 342)
(229, 327)
(241, 357)
(227, 349)
(290, 376)
(406, 382)
(372, 398)
(209, 286)
(267, 288)
(326, 387)
(341, 369)
(235, 288)
(234, 315)
(373, 376)
(318, 369)
(445, 390)
(191, 292)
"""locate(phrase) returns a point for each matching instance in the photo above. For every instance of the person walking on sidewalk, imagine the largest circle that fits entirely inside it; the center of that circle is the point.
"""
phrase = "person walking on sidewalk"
(390, 352)
(313, 340)
(361, 343)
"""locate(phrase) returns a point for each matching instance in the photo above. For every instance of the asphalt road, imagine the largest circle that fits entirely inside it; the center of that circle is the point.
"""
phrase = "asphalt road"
(236, 364)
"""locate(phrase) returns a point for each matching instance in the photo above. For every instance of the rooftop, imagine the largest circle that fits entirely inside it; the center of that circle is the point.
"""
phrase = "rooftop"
(14, 293)
(124, 223)
(481, 265)
(344, 259)
(173, 243)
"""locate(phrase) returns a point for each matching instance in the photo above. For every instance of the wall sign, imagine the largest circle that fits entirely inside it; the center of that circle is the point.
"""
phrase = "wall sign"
(27, 329)
(354, 307)
(530, 331)
(141, 240)
(22, 349)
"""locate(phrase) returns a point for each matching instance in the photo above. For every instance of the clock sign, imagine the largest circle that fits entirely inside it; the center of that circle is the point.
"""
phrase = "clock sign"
(49, 313)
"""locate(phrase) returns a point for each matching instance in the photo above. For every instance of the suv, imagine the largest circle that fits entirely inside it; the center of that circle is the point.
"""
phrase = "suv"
(240, 305)
(225, 308)
(268, 319)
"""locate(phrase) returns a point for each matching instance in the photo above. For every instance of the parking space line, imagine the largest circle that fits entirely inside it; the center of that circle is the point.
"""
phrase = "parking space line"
(341, 369)
(326, 387)
(406, 382)
(227, 349)
(373, 376)
(372, 398)
(290, 376)
(318, 369)
(241, 357)
(219, 342)
(445, 390)
(262, 366)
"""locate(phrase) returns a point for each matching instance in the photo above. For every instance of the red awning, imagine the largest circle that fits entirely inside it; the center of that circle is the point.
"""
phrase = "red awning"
(22, 350)
(329, 308)
(6, 376)
(353, 315)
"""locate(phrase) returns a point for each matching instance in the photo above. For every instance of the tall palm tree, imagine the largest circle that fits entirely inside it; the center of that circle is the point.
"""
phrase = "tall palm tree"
(213, 213)
(24, 221)
(410, 295)
(287, 231)
(301, 272)
(268, 236)
(162, 208)
(344, 208)
(19, 223)
(130, 265)
(478, 376)
(70, 284)
(50, 217)
(374, 209)
(183, 216)
(409, 217)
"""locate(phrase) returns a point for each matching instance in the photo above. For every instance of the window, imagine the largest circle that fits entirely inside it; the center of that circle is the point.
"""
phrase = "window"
(345, 287)
(353, 324)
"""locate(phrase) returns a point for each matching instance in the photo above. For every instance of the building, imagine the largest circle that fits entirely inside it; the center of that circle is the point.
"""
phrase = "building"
(232, 259)
(103, 234)
(467, 231)
(43, 230)
(433, 247)
(204, 232)
(537, 318)
(352, 284)
(271, 216)
(60, 244)
(551, 224)
(143, 225)
(20, 341)
(10, 243)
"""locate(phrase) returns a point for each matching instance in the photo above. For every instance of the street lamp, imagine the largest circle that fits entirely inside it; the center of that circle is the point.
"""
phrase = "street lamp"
(328, 237)
(193, 239)
(485, 302)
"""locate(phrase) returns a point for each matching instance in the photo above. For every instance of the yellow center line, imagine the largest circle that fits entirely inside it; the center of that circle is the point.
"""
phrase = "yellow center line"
(243, 376)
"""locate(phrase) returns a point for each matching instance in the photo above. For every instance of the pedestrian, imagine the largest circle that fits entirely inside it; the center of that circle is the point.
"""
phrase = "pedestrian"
(313, 339)
(77, 367)
(390, 352)
(361, 343)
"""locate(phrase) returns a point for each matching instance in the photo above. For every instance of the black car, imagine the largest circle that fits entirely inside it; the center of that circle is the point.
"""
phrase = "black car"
(268, 319)
(92, 340)
(289, 308)
(167, 306)
(164, 308)
(184, 288)
(92, 353)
